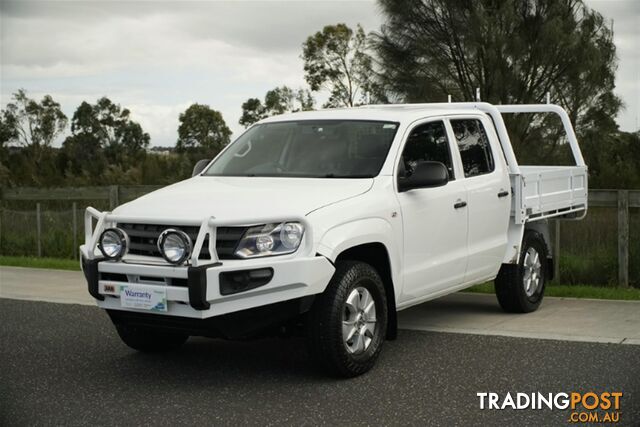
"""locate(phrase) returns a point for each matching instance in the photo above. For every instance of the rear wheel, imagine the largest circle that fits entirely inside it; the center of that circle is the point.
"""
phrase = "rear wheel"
(520, 288)
(150, 340)
(347, 323)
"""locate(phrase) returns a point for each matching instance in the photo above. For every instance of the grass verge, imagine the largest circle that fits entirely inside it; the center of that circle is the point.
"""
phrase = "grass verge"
(33, 262)
(553, 290)
(574, 291)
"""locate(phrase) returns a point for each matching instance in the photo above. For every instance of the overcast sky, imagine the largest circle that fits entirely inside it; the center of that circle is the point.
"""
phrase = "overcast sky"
(157, 58)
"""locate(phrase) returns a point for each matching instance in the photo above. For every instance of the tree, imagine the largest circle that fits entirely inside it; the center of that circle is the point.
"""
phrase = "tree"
(82, 152)
(8, 133)
(613, 159)
(33, 126)
(110, 127)
(202, 127)
(515, 51)
(82, 155)
(304, 100)
(276, 101)
(31, 123)
(252, 111)
(8, 130)
(279, 100)
(338, 59)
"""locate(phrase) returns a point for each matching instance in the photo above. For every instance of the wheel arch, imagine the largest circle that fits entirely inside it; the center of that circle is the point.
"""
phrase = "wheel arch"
(516, 235)
(371, 240)
(542, 229)
(377, 255)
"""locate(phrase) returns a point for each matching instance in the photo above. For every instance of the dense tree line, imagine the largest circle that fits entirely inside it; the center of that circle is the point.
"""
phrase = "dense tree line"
(104, 145)
(515, 51)
(512, 52)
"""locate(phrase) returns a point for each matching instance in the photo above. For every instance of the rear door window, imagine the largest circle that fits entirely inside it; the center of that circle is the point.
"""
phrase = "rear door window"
(474, 146)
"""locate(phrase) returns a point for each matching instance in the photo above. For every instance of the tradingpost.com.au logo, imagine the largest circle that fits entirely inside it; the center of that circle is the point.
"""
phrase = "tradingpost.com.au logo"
(587, 407)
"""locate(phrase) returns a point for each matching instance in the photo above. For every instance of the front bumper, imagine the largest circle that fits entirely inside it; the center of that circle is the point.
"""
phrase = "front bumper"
(201, 297)
(194, 291)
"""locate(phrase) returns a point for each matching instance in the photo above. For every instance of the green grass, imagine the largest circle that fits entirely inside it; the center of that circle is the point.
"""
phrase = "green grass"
(33, 262)
(553, 290)
(574, 291)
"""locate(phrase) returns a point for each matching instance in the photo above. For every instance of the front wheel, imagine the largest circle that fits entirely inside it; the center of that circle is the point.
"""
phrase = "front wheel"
(520, 288)
(347, 323)
(149, 340)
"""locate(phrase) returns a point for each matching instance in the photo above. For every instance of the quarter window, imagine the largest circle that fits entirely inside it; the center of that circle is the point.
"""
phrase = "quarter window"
(427, 142)
(474, 147)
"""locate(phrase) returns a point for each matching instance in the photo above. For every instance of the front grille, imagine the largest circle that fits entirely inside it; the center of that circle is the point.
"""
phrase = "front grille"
(144, 239)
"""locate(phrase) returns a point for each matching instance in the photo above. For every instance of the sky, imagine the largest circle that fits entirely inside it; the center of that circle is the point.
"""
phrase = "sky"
(157, 58)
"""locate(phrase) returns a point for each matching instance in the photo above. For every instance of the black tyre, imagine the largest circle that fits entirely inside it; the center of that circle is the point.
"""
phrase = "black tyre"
(520, 288)
(149, 340)
(347, 323)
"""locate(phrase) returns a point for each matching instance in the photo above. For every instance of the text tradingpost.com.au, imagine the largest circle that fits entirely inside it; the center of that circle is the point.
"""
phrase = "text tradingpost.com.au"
(589, 407)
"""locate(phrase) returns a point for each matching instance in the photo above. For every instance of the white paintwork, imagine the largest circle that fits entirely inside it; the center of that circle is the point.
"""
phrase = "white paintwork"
(433, 249)
(240, 199)
(292, 278)
(488, 215)
(548, 191)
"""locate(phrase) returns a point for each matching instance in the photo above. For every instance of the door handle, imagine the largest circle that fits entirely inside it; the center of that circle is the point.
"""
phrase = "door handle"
(459, 205)
(503, 193)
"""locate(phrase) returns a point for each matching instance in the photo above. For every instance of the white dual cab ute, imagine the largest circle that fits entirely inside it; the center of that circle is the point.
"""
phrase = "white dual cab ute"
(327, 223)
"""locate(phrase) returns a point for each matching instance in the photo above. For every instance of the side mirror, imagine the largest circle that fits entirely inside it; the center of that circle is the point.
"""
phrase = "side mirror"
(426, 174)
(199, 167)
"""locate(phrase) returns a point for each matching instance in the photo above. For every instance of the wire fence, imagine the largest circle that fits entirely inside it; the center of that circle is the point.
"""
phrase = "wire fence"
(54, 234)
(588, 249)
(602, 249)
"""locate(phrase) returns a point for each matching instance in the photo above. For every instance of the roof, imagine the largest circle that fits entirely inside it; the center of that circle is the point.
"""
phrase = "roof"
(390, 112)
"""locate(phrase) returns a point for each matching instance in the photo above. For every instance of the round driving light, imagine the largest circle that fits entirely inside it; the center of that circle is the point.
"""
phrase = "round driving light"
(264, 243)
(113, 243)
(291, 235)
(174, 245)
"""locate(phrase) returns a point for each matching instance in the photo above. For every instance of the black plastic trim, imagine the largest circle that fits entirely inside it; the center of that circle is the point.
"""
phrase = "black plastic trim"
(90, 270)
(550, 269)
(233, 282)
(266, 320)
(197, 284)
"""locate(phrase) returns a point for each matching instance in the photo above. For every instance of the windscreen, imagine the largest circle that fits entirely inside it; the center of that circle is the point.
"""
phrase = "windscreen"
(310, 149)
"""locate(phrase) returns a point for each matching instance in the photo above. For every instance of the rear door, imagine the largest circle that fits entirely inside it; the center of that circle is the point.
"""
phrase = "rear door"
(487, 184)
(434, 229)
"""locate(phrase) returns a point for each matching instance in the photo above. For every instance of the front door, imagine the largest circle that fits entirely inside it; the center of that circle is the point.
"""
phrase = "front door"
(434, 219)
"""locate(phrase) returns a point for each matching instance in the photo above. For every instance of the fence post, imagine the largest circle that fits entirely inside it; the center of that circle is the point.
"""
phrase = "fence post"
(556, 251)
(38, 230)
(75, 231)
(623, 238)
(114, 196)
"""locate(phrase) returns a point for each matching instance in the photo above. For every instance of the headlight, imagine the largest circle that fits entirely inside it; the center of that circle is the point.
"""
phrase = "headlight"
(174, 245)
(113, 243)
(270, 239)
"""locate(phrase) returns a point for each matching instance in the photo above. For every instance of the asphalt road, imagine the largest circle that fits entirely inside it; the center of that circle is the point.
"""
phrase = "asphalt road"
(565, 319)
(64, 365)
